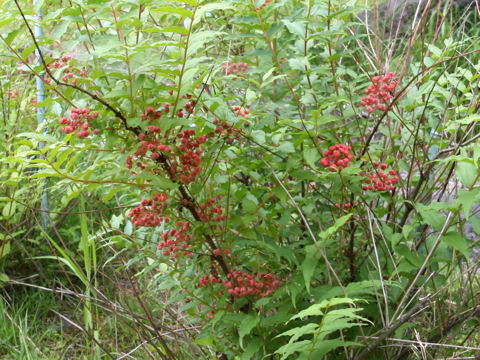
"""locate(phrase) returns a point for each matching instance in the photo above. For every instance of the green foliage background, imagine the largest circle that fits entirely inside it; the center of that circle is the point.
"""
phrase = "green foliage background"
(391, 268)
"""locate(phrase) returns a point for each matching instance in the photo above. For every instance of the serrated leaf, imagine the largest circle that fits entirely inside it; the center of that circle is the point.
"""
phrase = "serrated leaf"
(297, 332)
(316, 309)
(289, 349)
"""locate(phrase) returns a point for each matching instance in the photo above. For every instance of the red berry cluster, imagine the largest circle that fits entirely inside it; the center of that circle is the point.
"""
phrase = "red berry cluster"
(206, 280)
(211, 211)
(79, 119)
(187, 167)
(223, 128)
(243, 113)
(150, 212)
(184, 157)
(264, 4)
(235, 68)
(240, 283)
(68, 73)
(151, 114)
(175, 242)
(150, 144)
(139, 164)
(379, 180)
(218, 252)
(379, 92)
(12, 94)
(337, 157)
(190, 106)
(66, 58)
(346, 205)
(67, 76)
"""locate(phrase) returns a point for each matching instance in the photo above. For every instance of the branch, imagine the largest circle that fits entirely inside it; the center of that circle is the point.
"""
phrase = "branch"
(117, 113)
(387, 331)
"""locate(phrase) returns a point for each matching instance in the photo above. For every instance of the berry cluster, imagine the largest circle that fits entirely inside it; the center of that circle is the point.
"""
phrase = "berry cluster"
(79, 119)
(210, 211)
(235, 68)
(68, 73)
(223, 128)
(346, 205)
(337, 157)
(379, 92)
(151, 114)
(206, 280)
(187, 167)
(175, 242)
(150, 212)
(67, 76)
(139, 164)
(151, 145)
(218, 252)
(66, 58)
(243, 113)
(240, 283)
(12, 94)
(379, 180)
(190, 106)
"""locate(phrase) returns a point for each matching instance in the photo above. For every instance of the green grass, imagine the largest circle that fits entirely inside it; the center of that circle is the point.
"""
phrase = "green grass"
(24, 325)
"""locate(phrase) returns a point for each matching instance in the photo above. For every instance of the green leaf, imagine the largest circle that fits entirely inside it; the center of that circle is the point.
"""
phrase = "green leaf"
(466, 172)
(258, 136)
(38, 137)
(312, 256)
(457, 241)
(325, 346)
(254, 344)
(247, 324)
(297, 332)
(250, 203)
(333, 229)
(295, 28)
(174, 10)
(466, 198)
(316, 309)
(311, 156)
(431, 215)
(286, 147)
(175, 29)
(289, 349)
(208, 341)
(6, 249)
(208, 9)
(4, 277)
